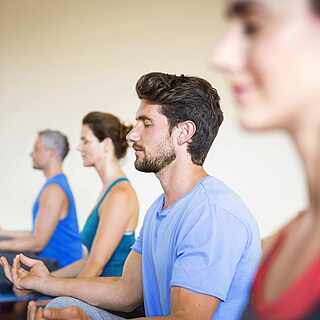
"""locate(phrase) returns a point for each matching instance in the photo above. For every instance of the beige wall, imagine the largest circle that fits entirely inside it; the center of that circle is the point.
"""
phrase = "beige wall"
(60, 59)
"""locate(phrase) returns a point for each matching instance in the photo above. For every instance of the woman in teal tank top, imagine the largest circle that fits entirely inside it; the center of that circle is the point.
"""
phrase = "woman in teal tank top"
(108, 233)
(115, 264)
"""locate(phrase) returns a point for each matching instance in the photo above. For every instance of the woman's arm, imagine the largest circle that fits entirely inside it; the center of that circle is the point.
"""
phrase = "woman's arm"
(115, 213)
(70, 271)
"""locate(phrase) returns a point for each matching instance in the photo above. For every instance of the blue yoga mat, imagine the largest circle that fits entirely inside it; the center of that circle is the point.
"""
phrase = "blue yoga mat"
(12, 297)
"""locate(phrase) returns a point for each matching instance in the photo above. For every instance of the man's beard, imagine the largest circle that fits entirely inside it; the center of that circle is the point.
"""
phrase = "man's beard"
(157, 163)
(36, 166)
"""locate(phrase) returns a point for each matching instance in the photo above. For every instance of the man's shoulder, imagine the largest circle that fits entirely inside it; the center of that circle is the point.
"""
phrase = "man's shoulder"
(53, 190)
(218, 200)
(59, 179)
(57, 184)
(219, 195)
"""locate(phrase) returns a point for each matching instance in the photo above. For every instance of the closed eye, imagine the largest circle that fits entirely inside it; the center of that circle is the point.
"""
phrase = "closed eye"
(147, 124)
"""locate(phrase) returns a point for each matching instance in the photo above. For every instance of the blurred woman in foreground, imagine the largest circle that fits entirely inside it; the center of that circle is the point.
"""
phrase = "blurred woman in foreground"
(270, 55)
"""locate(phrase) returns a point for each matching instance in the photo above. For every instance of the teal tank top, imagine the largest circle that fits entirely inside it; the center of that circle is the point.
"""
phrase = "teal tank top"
(114, 267)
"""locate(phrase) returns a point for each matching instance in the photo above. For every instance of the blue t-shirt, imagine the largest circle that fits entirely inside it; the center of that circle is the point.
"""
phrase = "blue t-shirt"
(207, 242)
(64, 244)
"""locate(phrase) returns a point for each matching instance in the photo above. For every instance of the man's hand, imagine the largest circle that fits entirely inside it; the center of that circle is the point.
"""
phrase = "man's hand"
(33, 307)
(23, 279)
(8, 273)
(21, 292)
(6, 268)
(70, 313)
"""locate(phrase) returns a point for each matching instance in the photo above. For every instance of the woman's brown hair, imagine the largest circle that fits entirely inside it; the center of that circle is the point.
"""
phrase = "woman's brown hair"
(105, 125)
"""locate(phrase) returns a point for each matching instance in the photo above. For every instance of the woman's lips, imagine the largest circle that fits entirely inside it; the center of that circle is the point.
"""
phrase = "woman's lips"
(240, 91)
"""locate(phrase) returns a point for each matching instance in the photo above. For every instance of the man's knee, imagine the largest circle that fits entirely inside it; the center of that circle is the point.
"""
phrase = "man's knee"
(63, 302)
(91, 311)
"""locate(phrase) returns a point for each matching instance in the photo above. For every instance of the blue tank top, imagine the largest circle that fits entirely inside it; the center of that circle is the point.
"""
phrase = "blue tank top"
(116, 262)
(64, 244)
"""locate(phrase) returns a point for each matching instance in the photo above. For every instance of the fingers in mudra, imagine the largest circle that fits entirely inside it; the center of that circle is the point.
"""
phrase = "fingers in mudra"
(6, 268)
(17, 272)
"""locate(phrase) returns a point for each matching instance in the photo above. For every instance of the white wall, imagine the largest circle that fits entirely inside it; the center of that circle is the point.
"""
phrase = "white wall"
(60, 59)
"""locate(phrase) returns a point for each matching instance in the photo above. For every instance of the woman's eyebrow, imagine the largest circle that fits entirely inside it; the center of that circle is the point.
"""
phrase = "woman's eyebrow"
(242, 8)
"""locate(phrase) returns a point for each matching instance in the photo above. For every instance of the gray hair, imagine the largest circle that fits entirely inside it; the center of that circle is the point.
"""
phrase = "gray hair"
(56, 140)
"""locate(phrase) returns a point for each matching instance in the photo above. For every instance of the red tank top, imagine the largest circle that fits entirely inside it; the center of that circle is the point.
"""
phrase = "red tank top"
(298, 300)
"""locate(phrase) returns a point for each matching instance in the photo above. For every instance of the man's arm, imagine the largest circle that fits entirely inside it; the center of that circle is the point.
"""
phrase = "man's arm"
(186, 305)
(53, 205)
(189, 305)
(118, 294)
(14, 233)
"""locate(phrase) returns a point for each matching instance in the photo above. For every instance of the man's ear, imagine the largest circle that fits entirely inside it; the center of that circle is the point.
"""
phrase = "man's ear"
(185, 132)
(54, 153)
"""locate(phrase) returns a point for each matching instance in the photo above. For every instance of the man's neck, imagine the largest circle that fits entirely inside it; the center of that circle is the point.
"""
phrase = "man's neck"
(178, 179)
(52, 170)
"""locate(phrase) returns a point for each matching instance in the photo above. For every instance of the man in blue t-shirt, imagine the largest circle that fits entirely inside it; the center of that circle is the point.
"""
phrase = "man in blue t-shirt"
(199, 246)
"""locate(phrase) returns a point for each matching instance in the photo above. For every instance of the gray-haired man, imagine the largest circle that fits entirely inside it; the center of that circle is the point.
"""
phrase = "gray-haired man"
(55, 233)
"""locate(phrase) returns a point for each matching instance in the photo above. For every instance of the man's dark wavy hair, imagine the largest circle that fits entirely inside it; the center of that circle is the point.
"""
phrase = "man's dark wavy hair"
(184, 98)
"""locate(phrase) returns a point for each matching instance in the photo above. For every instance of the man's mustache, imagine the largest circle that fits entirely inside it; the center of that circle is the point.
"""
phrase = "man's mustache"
(137, 147)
